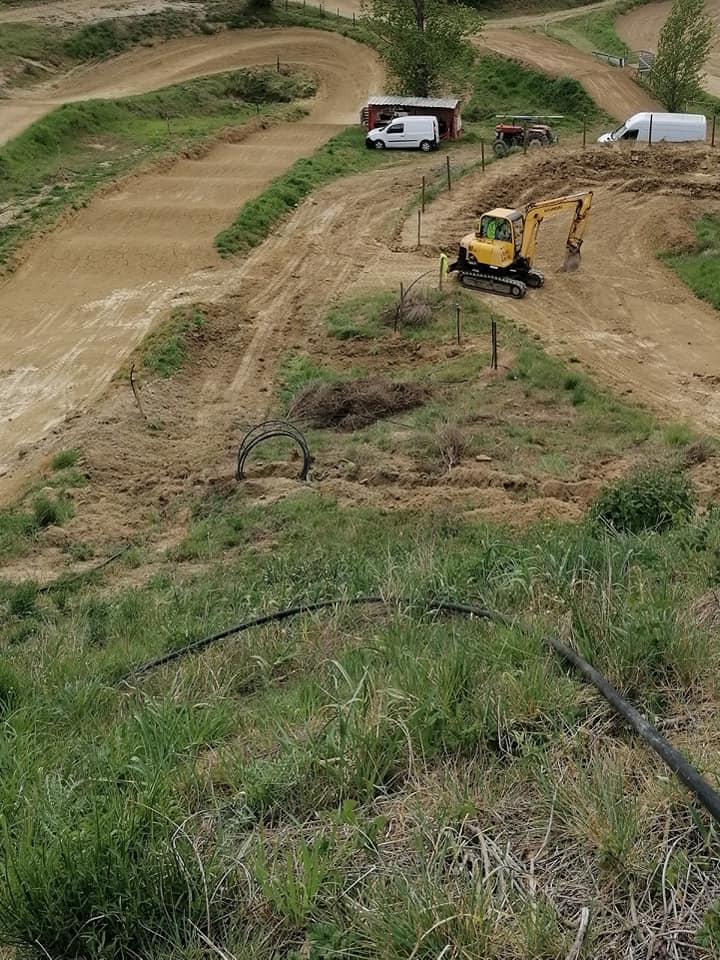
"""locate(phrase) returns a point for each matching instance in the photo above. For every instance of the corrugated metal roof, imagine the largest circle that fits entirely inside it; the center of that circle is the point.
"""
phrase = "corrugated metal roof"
(436, 102)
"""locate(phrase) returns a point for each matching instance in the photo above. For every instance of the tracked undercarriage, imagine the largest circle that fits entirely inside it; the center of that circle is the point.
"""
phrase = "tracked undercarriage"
(508, 283)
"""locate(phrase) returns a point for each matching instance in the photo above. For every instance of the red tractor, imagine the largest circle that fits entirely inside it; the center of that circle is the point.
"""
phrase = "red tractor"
(509, 135)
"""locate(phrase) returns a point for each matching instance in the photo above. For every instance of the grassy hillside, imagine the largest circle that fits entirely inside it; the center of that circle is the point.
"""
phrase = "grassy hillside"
(61, 159)
(29, 51)
(376, 782)
(700, 268)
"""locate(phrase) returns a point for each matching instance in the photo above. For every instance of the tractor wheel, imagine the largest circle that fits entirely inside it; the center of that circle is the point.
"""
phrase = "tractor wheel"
(500, 148)
(535, 142)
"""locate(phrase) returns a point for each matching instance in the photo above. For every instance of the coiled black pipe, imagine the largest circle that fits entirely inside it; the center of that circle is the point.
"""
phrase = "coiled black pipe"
(686, 773)
(708, 797)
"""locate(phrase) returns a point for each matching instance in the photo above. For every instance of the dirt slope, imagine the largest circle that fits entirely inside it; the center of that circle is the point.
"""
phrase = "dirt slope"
(640, 29)
(91, 289)
(613, 90)
(624, 314)
(85, 11)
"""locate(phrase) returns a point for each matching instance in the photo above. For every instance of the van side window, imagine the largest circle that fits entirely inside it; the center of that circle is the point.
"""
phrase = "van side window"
(630, 135)
(396, 128)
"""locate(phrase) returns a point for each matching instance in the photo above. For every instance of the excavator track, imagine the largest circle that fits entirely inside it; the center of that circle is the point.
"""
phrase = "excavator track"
(505, 286)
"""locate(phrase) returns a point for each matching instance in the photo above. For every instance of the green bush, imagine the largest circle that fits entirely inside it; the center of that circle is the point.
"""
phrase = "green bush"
(64, 459)
(645, 500)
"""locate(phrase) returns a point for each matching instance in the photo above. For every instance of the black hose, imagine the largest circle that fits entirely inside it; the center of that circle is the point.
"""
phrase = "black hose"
(279, 615)
(708, 797)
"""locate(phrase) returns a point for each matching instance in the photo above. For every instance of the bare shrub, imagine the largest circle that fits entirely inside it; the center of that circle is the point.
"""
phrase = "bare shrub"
(451, 443)
(415, 311)
(351, 404)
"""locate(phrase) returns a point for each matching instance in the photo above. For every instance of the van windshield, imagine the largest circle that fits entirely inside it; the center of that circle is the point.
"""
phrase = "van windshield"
(617, 134)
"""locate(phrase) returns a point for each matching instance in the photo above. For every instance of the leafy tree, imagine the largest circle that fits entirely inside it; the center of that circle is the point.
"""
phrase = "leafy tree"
(683, 48)
(425, 43)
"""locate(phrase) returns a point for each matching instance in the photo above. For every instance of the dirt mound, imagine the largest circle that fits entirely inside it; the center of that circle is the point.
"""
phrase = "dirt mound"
(351, 404)
(691, 173)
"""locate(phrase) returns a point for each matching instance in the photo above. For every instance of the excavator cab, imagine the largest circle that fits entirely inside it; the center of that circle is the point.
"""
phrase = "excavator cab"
(498, 239)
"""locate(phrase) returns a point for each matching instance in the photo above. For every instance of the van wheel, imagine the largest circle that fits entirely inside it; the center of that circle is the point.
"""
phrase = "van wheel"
(425, 146)
(379, 145)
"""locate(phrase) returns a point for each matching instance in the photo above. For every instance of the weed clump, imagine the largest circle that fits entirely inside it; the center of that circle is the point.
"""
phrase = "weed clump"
(65, 459)
(412, 311)
(645, 500)
(352, 404)
(451, 444)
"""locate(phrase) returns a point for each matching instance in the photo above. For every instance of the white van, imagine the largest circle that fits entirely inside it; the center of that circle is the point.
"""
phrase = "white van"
(418, 133)
(670, 127)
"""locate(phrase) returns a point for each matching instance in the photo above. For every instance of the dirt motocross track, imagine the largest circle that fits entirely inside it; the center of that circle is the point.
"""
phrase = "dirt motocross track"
(624, 314)
(640, 30)
(92, 288)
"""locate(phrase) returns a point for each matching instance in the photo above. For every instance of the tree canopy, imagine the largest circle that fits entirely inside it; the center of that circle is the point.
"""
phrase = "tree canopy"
(683, 47)
(425, 43)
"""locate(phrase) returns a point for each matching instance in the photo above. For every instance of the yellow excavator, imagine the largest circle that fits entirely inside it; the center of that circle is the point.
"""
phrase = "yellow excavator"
(499, 256)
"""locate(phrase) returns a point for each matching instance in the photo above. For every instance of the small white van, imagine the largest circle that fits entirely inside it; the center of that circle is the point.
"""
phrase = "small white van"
(670, 127)
(405, 133)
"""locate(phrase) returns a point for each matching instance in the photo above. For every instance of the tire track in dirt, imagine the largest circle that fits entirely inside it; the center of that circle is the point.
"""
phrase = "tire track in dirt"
(640, 30)
(92, 289)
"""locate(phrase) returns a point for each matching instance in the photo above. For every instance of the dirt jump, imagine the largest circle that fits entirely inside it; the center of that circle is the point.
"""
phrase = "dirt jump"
(92, 288)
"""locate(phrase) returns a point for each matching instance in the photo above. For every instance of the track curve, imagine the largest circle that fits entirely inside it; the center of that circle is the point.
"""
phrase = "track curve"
(640, 30)
(93, 287)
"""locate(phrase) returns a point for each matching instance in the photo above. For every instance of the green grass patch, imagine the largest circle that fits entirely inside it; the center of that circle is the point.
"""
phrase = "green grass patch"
(60, 160)
(591, 31)
(65, 459)
(343, 155)
(28, 51)
(278, 760)
(700, 268)
(167, 349)
(503, 86)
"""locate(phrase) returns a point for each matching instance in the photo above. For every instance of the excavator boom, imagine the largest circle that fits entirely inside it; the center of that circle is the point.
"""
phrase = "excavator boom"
(535, 213)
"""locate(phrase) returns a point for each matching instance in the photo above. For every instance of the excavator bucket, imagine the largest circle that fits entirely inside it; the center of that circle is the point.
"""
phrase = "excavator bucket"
(572, 259)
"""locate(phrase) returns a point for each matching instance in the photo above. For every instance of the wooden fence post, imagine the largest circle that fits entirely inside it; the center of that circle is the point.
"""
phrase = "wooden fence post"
(447, 164)
(422, 202)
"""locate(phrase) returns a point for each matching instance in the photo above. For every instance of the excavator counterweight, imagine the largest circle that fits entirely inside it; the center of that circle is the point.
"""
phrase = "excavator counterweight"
(499, 256)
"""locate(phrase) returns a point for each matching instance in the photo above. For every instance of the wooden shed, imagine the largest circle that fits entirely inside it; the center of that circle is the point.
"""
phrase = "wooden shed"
(382, 109)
